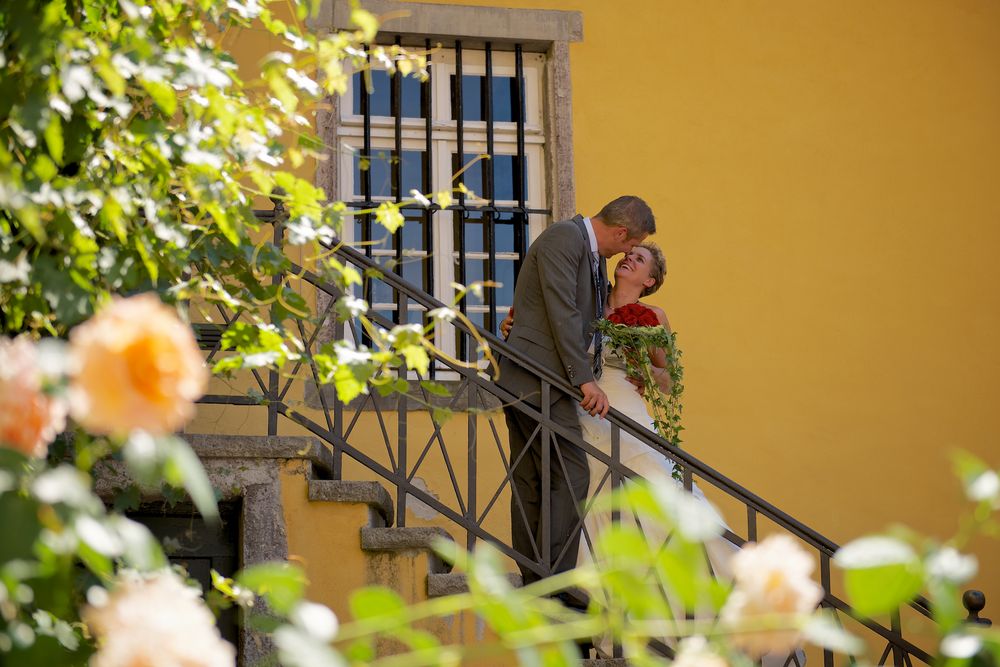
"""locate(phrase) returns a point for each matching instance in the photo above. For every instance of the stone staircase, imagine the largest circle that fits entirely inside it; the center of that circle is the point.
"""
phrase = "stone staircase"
(400, 558)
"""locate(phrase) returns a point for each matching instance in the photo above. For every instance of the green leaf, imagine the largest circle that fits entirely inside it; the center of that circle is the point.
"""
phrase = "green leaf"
(441, 415)
(20, 527)
(163, 95)
(44, 167)
(881, 574)
(416, 358)
(127, 498)
(281, 584)
(350, 381)
(376, 601)
(366, 22)
(181, 462)
(54, 137)
(435, 388)
(147, 258)
(96, 562)
(113, 216)
(388, 215)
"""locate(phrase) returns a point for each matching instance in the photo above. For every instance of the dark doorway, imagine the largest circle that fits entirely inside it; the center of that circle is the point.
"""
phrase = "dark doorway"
(199, 547)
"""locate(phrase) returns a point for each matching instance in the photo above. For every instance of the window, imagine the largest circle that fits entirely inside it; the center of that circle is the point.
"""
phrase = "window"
(402, 134)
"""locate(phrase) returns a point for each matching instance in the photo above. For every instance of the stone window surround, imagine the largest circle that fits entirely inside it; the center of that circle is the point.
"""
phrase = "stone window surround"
(537, 30)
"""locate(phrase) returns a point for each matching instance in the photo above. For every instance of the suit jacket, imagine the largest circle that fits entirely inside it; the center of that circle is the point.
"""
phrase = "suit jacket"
(554, 310)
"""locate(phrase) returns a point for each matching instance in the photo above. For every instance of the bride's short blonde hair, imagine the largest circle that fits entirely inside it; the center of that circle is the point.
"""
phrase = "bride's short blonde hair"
(657, 268)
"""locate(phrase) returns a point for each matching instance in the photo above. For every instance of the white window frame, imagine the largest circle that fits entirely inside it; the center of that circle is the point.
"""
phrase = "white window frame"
(350, 139)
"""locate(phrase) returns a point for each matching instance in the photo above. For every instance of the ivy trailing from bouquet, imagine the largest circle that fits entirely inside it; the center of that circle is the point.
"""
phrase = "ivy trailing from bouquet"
(631, 332)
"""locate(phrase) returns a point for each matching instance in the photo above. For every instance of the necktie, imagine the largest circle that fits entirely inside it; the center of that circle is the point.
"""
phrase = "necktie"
(599, 314)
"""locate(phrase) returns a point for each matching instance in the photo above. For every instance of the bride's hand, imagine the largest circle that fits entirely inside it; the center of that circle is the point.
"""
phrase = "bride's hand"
(507, 324)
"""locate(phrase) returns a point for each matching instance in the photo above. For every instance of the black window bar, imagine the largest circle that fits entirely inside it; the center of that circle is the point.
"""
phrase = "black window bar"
(474, 223)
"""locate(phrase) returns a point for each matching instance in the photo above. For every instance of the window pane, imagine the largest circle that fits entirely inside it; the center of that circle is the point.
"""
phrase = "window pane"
(504, 175)
(471, 97)
(414, 271)
(473, 273)
(379, 102)
(473, 176)
(380, 169)
(381, 292)
(503, 231)
(413, 230)
(474, 241)
(412, 96)
(413, 172)
(378, 237)
(381, 95)
(474, 98)
(505, 275)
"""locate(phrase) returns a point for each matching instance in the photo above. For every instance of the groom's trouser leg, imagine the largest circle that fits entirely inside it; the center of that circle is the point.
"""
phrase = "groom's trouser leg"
(569, 482)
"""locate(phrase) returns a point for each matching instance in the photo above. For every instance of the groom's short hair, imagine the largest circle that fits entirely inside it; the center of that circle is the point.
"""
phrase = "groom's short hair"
(630, 212)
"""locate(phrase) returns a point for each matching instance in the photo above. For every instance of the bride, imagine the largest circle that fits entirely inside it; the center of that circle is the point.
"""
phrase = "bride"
(638, 275)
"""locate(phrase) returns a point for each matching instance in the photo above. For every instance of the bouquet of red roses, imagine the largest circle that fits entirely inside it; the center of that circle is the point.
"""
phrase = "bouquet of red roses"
(634, 315)
(631, 332)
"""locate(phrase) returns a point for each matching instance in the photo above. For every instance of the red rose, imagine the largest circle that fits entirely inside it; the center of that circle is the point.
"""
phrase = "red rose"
(634, 315)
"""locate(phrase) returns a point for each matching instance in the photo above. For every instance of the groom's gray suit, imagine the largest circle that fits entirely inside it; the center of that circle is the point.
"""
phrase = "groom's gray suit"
(560, 289)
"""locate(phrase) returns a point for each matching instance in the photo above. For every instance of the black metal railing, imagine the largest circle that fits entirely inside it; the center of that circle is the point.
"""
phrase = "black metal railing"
(400, 442)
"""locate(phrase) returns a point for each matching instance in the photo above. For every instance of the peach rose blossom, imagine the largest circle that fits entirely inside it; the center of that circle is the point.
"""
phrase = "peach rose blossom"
(137, 367)
(29, 418)
(772, 583)
(154, 620)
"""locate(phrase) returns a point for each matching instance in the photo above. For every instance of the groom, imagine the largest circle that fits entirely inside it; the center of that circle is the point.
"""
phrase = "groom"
(561, 290)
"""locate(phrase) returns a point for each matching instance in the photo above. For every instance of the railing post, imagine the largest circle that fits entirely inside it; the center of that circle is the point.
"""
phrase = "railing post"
(472, 462)
(824, 577)
(897, 651)
(974, 602)
(272, 379)
(402, 309)
(545, 519)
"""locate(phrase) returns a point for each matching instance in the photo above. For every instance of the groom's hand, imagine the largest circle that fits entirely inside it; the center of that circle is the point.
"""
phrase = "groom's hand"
(595, 401)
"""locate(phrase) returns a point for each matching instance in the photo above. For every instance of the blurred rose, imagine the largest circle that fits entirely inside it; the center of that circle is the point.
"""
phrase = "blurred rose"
(137, 367)
(29, 418)
(695, 652)
(154, 620)
(772, 585)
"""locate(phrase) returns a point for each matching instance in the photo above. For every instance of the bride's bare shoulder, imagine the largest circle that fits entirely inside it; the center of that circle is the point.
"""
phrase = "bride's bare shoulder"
(660, 315)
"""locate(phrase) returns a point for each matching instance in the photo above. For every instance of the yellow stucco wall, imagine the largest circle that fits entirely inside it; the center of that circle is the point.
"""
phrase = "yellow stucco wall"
(822, 178)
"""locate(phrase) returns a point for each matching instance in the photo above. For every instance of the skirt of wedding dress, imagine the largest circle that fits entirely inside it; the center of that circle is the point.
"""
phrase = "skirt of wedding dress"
(656, 469)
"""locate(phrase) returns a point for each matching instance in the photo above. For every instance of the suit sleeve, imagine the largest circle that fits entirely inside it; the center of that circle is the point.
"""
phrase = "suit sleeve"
(558, 274)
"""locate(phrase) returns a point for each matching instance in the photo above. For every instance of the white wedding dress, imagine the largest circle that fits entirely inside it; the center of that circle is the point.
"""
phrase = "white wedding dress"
(638, 457)
(656, 469)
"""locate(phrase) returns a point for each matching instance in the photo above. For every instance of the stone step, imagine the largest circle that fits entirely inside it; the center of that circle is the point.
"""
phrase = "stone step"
(604, 662)
(373, 494)
(402, 540)
(453, 583)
